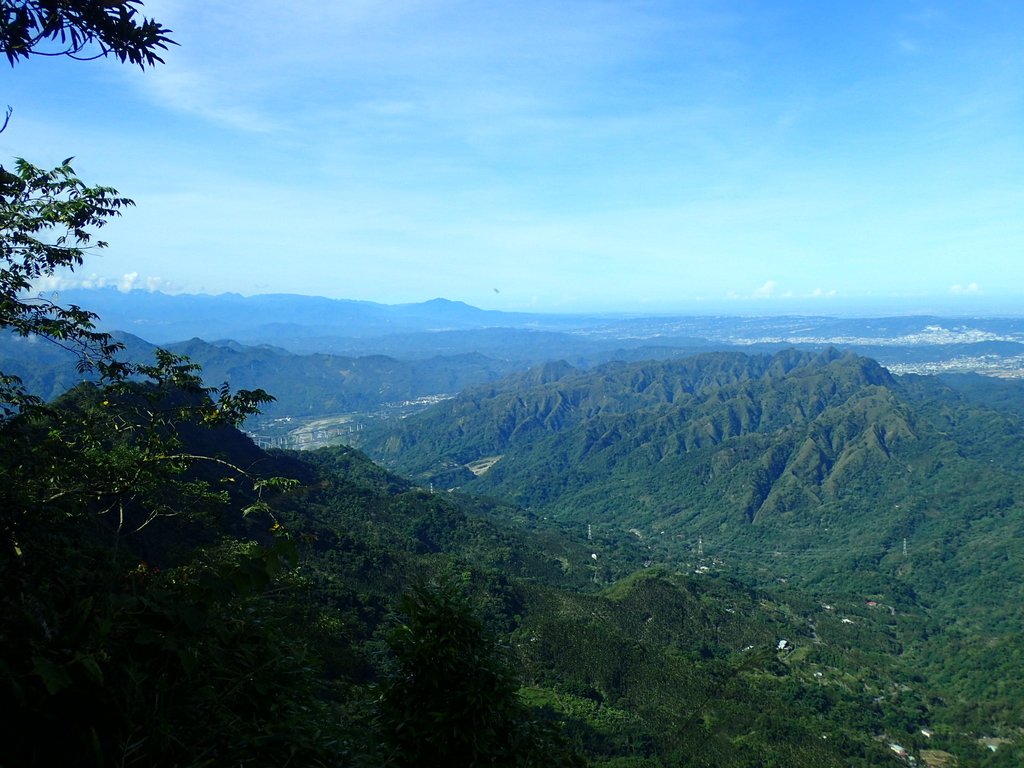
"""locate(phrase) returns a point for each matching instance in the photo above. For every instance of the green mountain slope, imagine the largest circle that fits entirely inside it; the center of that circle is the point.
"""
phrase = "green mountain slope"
(634, 665)
(304, 385)
(817, 470)
(797, 445)
(658, 668)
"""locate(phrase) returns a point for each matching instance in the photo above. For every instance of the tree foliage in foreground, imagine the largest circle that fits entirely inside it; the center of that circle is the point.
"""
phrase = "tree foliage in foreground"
(129, 622)
(135, 623)
(70, 27)
(452, 700)
(47, 223)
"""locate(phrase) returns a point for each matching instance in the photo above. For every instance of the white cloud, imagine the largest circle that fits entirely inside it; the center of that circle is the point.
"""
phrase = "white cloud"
(62, 281)
(159, 284)
(970, 288)
(770, 290)
(49, 283)
(818, 293)
(127, 281)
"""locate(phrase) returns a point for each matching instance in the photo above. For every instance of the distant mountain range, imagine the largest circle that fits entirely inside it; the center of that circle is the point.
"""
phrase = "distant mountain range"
(309, 324)
(162, 318)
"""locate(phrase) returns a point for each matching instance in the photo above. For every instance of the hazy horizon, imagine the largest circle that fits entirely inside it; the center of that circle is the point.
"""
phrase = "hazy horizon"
(980, 307)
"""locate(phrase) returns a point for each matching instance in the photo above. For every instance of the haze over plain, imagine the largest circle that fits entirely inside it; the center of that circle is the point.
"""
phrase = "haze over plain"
(685, 157)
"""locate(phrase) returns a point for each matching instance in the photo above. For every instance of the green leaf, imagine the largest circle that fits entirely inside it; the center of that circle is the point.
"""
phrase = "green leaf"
(92, 668)
(53, 675)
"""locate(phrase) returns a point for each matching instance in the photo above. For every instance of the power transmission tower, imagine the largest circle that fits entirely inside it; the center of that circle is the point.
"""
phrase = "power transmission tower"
(700, 546)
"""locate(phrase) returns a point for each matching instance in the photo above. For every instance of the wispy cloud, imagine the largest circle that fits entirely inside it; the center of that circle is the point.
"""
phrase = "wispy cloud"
(209, 97)
(908, 45)
(257, 65)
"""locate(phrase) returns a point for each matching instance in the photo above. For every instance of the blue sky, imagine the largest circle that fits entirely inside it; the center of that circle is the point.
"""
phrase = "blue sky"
(571, 156)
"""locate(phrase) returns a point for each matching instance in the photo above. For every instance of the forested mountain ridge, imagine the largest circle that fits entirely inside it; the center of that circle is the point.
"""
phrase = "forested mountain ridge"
(795, 448)
(819, 470)
(802, 428)
(650, 413)
(305, 385)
